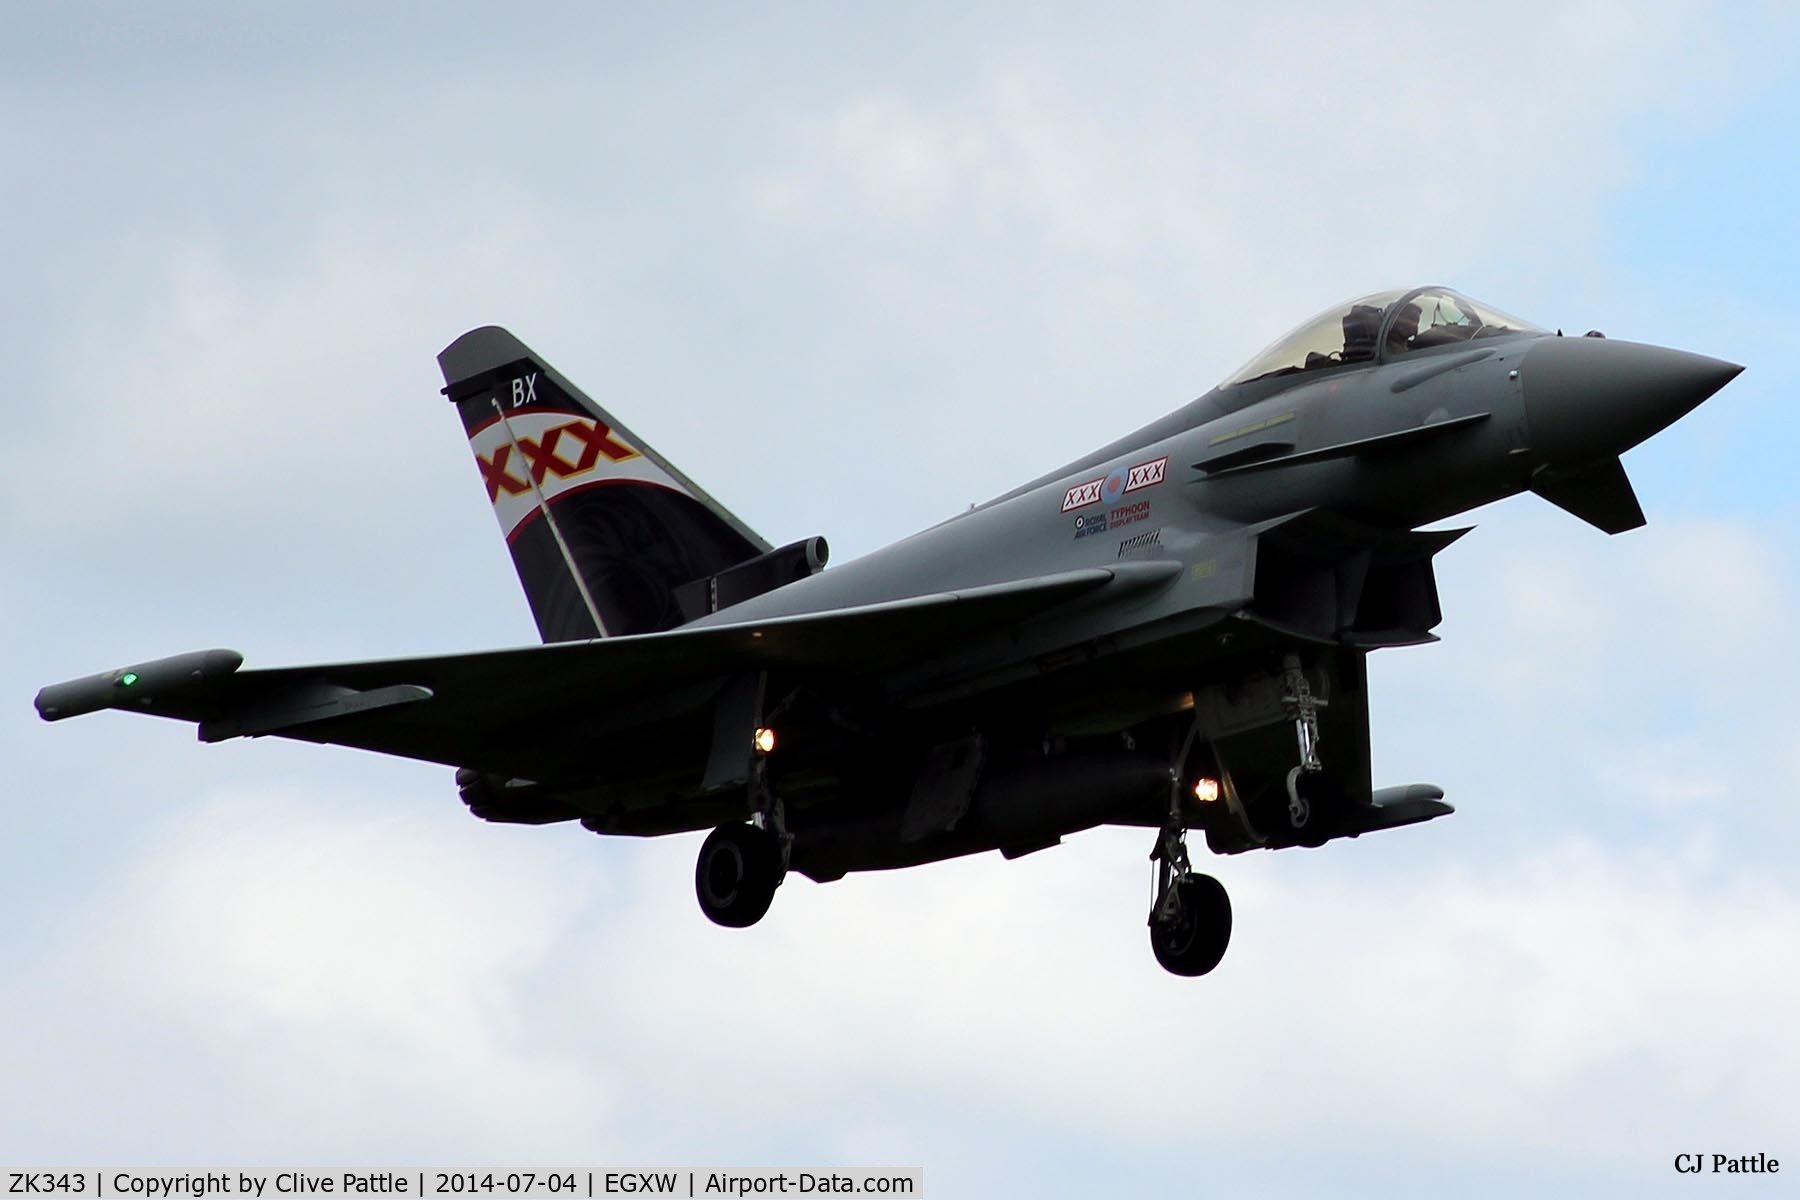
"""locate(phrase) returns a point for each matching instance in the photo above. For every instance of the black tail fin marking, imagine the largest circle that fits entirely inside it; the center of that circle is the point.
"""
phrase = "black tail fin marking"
(602, 529)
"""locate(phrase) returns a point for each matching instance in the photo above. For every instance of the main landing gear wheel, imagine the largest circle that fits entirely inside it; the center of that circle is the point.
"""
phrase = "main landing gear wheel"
(1192, 928)
(737, 873)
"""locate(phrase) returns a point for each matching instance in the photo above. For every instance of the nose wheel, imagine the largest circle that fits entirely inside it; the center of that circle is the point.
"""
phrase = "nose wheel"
(1191, 929)
(1190, 922)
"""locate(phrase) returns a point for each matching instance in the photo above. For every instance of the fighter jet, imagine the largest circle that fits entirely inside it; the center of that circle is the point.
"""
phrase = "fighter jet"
(1170, 632)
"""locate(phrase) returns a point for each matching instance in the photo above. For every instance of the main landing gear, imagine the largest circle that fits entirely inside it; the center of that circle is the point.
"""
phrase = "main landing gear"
(740, 866)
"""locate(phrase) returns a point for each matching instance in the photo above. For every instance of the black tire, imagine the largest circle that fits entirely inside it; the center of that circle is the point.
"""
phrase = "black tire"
(1323, 810)
(736, 875)
(1192, 939)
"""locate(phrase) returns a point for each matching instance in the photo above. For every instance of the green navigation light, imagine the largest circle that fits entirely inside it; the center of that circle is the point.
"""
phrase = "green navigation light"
(128, 679)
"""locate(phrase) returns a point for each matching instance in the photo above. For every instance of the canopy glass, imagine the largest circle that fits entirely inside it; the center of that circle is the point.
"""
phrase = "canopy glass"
(1382, 325)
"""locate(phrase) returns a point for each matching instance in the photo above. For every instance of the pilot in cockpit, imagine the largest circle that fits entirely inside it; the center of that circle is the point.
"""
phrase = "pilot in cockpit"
(1417, 319)
(1361, 324)
(1405, 326)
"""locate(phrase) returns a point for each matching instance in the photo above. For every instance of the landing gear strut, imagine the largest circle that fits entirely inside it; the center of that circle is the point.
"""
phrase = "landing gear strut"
(740, 866)
(1306, 788)
(1190, 921)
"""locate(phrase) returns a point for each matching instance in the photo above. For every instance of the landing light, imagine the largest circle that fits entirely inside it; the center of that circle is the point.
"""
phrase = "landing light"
(1206, 789)
(764, 741)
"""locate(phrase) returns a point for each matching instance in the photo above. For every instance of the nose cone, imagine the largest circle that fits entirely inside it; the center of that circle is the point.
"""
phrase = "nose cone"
(1592, 398)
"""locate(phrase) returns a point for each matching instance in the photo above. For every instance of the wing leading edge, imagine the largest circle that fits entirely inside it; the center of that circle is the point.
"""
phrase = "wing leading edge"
(468, 709)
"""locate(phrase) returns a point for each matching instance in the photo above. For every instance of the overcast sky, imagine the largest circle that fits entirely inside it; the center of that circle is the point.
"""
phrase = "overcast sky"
(854, 271)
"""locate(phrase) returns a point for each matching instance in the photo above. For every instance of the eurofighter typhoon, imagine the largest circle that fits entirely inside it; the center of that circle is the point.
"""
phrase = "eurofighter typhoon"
(1170, 632)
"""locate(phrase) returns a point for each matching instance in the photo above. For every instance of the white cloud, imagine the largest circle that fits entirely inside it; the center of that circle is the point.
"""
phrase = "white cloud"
(206, 389)
(310, 979)
(1372, 153)
(412, 986)
(1629, 684)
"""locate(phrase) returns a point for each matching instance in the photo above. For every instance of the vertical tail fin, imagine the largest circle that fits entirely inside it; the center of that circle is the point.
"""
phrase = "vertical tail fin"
(602, 529)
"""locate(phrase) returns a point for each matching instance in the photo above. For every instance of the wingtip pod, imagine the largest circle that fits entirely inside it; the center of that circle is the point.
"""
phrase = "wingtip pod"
(1392, 807)
(138, 686)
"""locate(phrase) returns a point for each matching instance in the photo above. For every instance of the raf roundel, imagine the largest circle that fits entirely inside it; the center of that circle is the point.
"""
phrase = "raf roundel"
(1114, 487)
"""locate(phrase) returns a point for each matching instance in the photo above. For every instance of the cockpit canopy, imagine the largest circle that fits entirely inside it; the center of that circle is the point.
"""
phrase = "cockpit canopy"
(1382, 325)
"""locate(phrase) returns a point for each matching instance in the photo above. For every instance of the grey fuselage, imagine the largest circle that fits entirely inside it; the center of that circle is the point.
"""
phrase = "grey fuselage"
(1549, 402)
(1026, 532)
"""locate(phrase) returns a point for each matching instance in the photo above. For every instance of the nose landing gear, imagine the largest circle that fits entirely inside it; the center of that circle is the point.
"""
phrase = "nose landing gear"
(1190, 930)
